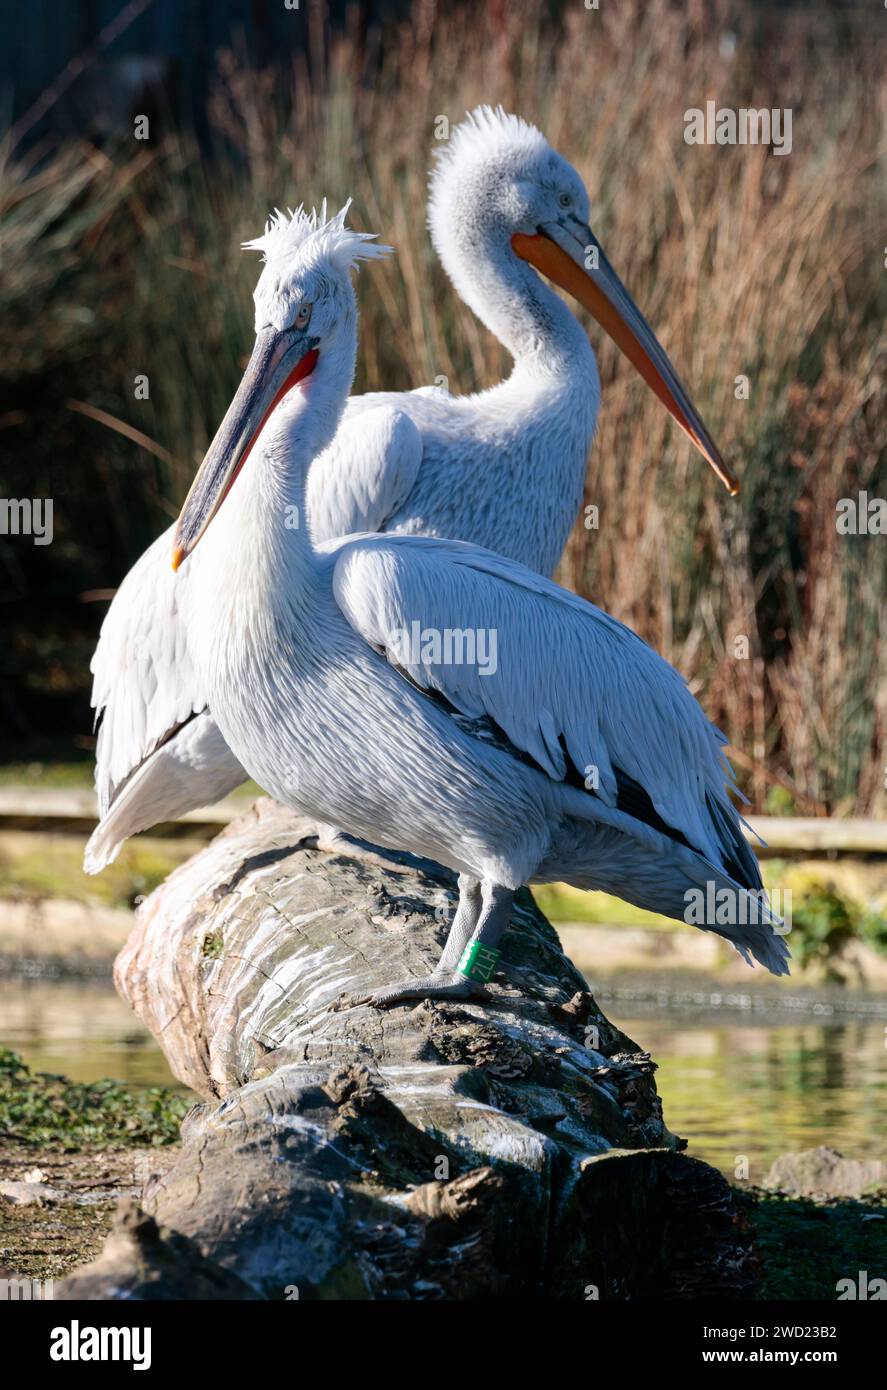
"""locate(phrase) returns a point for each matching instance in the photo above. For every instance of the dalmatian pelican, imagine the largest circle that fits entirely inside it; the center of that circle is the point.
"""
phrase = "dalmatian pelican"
(504, 468)
(576, 754)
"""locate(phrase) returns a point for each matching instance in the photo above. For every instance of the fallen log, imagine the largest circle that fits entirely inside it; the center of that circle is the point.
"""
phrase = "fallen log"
(508, 1147)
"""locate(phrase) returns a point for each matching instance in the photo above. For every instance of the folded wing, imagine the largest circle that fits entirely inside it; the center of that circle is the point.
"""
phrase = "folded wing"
(144, 685)
(366, 474)
(567, 685)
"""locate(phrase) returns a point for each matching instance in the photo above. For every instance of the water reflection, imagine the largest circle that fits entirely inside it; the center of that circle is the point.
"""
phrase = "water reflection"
(82, 1030)
(746, 1091)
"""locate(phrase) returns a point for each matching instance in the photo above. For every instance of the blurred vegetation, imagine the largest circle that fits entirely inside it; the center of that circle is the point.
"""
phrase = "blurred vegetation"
(806, 1247)
(124, 261)
(39, 865)
(51, 1111)
(561, 902)
(825, 922)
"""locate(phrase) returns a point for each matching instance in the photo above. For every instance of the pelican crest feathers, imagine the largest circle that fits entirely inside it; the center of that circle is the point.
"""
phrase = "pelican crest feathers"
(314, 236)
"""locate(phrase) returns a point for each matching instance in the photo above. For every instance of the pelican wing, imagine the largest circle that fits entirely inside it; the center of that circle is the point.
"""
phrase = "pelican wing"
(567, 685)
(144, 685)
(366, 474)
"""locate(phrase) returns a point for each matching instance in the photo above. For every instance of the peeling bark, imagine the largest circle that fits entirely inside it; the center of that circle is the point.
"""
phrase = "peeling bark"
(509, 1147)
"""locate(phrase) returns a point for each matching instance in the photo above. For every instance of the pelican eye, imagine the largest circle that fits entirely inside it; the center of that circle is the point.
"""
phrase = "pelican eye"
(303, 317)
(564, 199)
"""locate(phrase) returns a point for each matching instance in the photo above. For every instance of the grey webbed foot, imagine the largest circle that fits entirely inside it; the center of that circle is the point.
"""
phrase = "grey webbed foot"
(443, 984)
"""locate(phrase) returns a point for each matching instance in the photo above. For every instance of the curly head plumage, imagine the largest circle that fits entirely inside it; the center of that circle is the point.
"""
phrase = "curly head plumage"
(315, 236)
(488, 150)
(497, 176)
(488, 132)
(299, 243)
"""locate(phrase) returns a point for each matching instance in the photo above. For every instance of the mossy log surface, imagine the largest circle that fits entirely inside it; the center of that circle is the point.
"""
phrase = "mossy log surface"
(508, 1147)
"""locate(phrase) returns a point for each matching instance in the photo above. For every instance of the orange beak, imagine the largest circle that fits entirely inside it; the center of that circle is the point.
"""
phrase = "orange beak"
(582, 269)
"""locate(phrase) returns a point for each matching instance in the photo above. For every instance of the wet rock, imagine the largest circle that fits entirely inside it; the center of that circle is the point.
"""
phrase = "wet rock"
(825, 1172)
(27, 1194)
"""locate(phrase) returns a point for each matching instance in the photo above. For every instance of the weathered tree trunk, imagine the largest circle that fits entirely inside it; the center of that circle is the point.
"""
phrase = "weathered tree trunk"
(509, 1147)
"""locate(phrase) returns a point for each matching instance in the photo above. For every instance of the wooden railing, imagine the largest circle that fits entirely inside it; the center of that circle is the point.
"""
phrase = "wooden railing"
(38, 808)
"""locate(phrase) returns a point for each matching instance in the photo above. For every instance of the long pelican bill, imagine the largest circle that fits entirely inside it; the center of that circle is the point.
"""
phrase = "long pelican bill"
(582, 269)
(279, 361)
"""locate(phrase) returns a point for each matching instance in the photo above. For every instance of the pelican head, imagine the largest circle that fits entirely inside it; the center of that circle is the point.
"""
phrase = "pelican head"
(306, 312)
(500, 190)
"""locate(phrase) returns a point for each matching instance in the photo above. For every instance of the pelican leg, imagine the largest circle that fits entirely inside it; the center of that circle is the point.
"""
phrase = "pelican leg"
(468, 910)
(481, 954)
(462, 975)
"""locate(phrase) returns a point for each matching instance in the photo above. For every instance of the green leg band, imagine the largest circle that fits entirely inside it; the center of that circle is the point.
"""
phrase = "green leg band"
(477, 961)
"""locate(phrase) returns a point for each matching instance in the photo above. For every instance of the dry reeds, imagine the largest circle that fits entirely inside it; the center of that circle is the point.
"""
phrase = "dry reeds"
(749, 265)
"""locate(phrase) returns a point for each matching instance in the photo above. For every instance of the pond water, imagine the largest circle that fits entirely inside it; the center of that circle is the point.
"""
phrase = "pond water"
(738, 1087)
